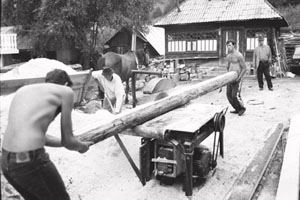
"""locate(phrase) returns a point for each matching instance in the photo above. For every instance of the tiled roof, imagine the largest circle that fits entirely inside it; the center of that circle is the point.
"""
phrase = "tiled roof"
(203, 11)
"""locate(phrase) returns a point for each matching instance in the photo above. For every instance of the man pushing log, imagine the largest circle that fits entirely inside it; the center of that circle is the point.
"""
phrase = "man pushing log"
(24, 162)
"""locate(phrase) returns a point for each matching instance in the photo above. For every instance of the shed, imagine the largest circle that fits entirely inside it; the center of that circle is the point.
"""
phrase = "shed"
(198, 31)
(152, 41)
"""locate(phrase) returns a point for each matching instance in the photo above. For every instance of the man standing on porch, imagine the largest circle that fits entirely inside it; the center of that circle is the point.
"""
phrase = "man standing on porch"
(262, 59)
(236, 62)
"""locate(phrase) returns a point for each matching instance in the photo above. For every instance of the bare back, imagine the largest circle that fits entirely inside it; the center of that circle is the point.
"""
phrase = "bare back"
(32, 110)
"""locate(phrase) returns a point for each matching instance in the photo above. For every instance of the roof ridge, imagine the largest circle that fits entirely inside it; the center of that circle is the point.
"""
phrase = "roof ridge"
(196, 11)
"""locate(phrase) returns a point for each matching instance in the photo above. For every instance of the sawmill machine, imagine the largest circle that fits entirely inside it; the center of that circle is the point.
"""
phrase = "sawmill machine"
(180, 155)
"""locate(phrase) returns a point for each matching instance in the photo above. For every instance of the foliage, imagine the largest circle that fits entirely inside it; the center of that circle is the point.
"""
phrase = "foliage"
(290, 9)
(53, 23)
(19, 12)
(283, 3)
(292, 15)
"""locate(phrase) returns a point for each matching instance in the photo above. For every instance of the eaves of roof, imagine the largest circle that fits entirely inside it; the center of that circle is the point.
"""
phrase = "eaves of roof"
(206, 11)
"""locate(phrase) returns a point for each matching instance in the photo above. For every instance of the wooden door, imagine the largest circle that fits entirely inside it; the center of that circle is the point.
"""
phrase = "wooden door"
(236, 35)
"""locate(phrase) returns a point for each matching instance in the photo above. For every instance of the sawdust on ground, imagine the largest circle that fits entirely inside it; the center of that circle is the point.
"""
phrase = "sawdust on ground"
(104, 172)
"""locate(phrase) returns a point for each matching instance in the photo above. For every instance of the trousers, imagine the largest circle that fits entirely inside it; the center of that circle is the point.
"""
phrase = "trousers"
(233, 94)
(264, 69)
(33, 175)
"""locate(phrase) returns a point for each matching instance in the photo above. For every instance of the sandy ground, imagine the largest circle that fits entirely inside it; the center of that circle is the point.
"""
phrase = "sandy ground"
(104, 172)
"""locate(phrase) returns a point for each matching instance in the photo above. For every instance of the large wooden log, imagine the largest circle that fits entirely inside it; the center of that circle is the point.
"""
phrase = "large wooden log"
(131, 118)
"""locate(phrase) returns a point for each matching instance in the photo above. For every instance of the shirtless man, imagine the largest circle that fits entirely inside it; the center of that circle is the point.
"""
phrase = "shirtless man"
(25, 164)
(236, 63)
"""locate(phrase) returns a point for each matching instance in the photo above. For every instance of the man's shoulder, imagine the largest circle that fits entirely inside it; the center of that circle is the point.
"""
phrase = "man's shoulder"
(117, 77)
(236, 53)
(54, 87)
(256, 48)
(45, 89)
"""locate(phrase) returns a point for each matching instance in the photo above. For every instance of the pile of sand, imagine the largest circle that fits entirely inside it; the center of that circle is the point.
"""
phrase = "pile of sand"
(38, 67)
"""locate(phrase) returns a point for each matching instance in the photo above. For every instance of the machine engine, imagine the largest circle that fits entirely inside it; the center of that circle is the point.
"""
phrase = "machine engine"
(169, 162)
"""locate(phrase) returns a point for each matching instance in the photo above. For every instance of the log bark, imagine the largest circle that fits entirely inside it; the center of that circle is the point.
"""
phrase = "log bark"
(131, 118)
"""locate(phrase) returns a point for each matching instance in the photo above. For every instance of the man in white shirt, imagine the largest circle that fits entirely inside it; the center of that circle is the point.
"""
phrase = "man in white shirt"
(262, 59)
(110, 83)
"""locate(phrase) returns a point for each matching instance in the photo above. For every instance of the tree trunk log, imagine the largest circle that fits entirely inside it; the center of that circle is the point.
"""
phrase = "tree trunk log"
(131, 118)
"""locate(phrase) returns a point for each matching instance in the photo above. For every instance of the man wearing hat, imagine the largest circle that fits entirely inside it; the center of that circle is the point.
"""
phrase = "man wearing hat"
(111, 84)
(262, 58)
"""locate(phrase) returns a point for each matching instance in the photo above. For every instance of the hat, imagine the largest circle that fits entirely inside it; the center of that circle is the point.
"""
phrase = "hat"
(107, 70)
(261, 38)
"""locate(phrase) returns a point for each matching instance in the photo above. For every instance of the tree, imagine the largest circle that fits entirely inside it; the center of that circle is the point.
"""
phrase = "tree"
(76, 22)
(284, 3)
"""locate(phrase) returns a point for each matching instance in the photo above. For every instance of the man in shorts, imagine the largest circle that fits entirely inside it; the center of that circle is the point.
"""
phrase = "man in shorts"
(24, 162)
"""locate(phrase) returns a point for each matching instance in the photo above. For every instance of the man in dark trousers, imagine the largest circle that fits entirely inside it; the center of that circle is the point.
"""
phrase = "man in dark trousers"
(262, 59)
(236, 63)
(24, 162)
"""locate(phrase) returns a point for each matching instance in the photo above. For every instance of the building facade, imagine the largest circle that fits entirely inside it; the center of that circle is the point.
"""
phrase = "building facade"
(199, 31)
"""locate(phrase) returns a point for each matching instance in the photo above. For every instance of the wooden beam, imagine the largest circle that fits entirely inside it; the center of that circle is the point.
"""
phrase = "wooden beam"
(245, 186)
(80, 80)
(128, 119)
(289, 185)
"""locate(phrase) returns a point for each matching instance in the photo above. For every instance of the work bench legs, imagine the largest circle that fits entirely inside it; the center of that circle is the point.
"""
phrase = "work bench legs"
(188, 181)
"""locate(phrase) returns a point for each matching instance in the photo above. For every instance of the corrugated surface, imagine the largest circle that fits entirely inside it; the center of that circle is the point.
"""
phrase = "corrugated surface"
(202, 11)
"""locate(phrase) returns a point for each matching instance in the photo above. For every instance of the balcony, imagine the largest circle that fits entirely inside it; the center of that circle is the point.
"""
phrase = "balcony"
(8, 44)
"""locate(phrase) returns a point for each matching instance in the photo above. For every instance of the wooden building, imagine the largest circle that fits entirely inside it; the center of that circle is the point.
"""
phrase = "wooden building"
(198, 30)
(15, 49)
(152, 41)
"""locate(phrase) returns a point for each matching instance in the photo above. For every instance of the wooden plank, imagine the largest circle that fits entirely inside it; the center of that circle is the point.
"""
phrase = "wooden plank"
(288, 187)
(187, 119)
(128, 119)
(85, 85)
(79, 81)
(11, 85)
(245, 186)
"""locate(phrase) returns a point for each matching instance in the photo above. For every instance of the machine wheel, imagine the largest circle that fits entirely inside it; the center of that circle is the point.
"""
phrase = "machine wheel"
(202, 160)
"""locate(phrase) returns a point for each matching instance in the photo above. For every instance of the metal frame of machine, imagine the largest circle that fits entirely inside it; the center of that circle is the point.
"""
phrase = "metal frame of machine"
(180, 153)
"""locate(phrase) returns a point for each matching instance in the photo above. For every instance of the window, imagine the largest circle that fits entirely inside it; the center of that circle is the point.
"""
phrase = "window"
(192, 42)
(252, 35)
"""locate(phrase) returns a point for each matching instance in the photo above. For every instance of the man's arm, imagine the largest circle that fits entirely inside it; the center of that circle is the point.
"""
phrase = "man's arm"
(228, 63)
(254, 59)
(53, 141)
(68, 140)
(270, 54)
(120, 95)
(242, 66)
(98, 78)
